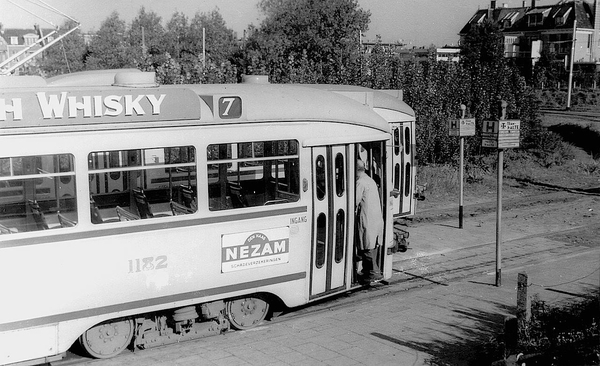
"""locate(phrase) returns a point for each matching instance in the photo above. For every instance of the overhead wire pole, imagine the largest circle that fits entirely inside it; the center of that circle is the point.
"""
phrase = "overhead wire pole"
(572, 60)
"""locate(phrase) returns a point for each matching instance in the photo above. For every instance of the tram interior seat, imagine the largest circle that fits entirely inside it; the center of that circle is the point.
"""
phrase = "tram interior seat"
(188, 197)
(5, 230)
(179, 209)
(238, 194)
(125, 215)
(95, 212)
(141, 202)
(38, 215)
(64, 221)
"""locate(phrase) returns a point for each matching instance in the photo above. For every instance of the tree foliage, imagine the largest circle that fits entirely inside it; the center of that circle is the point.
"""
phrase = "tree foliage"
(295, 33)
(67, 55)
(108, 48)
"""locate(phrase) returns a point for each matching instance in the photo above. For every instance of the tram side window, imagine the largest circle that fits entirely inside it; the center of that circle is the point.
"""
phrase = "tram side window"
(136, 184)
(37, 193)
(250, 174)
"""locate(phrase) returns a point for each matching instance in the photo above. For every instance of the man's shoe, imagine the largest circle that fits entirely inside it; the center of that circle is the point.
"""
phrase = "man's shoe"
(377, 278)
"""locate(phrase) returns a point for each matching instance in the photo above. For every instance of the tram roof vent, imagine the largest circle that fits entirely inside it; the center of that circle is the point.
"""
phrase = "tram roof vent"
(255, 79)
(135, 79)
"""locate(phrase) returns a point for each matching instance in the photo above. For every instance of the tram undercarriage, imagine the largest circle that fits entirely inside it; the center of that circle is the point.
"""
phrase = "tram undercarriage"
(191, 322)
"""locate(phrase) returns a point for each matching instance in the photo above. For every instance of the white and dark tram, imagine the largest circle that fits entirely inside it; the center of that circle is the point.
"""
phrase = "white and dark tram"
(135, 215)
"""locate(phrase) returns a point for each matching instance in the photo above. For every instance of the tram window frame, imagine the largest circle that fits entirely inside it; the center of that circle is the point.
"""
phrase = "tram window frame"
(37, 192)
(252, 174)
(149, 182)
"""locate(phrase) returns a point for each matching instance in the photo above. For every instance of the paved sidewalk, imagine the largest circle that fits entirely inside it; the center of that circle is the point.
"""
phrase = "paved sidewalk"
(438, 322)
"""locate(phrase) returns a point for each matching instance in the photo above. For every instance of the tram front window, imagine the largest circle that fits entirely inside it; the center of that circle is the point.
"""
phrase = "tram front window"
(253, 174)
(128, 185)
(37, 193)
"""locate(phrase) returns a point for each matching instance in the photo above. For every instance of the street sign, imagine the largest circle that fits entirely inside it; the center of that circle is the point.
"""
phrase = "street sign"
(501, 134)
(462, 127)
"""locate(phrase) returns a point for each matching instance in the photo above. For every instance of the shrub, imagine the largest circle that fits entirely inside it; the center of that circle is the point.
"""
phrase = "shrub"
(568, 335)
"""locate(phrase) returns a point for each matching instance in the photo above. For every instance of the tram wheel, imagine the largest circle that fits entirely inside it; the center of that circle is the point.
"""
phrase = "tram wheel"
(108, 339)
(247, 312)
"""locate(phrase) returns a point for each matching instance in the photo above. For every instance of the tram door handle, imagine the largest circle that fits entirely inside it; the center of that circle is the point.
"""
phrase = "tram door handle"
(395, 193)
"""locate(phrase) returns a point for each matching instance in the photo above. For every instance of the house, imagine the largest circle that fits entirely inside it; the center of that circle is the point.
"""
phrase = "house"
(527, 30)
(13, 41)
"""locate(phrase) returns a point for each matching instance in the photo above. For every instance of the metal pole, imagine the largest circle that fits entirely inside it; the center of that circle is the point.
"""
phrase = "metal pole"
(460, 183)
(203, 47)
(461, 169)
(570, 88)
(499, 219)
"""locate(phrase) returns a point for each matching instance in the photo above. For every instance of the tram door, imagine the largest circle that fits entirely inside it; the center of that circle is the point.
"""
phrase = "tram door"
(331, 210)
(403, 168)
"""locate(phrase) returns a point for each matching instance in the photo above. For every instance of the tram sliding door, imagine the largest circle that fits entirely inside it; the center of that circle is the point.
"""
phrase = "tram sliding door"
(403, 162)
(331, 210)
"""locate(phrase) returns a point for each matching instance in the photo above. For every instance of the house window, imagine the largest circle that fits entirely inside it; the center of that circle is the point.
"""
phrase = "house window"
(14, 40)
(535, 19)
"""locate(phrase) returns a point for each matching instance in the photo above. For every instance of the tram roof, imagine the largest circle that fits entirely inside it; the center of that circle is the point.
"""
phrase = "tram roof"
(383, 99)
(62, 102)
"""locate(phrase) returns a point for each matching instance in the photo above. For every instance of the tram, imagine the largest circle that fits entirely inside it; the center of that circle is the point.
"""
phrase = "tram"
(134, 215)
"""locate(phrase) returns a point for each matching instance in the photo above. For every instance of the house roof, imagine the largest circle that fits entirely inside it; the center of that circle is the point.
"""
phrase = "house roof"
(21, 33)
(519, 17)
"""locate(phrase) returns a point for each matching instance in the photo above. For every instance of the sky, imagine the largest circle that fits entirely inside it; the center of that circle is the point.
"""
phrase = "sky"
(413, 22)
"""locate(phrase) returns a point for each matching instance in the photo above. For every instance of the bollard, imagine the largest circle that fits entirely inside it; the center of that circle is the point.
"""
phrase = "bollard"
(523, 299)
(523, 303)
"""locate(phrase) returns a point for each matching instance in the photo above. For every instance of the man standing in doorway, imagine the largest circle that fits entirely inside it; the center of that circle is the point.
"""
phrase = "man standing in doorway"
(370, 223)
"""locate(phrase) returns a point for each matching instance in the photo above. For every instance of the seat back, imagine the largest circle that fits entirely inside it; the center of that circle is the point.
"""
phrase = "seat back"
(188, 197)
(141, 202)
(178, 209)
(5, 230)
(38, 215)
(125, 215)
(95, 212)
(238, 198)
(64, 221)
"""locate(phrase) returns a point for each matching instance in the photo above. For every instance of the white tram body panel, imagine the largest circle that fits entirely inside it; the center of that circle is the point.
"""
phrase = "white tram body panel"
(71, 262)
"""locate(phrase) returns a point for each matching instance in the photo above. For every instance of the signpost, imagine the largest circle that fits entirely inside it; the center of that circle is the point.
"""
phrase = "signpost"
(461, 127)
(500, 134)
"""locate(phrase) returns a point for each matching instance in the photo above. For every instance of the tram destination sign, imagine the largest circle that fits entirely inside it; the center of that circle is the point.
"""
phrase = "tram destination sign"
(462, 127)
(501, 134)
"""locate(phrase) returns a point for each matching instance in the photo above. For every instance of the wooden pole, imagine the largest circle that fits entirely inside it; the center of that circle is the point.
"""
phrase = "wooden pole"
(570, 87)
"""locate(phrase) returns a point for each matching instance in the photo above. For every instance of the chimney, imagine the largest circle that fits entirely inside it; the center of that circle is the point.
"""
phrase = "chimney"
(524, 4)
(532, 4)
(493, 5)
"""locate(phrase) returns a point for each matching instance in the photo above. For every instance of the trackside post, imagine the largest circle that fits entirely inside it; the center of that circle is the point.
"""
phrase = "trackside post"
(461, 127)
(500, 134)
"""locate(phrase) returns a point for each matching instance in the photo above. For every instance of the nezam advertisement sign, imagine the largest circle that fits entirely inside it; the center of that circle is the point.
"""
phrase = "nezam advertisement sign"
(255, 249)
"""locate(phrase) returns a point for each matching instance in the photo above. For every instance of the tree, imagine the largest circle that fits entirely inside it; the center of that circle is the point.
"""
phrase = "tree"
(220, 41)
(177, 37)
(145, 39)
(108, 48)
(325, 34)
(65, 56)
